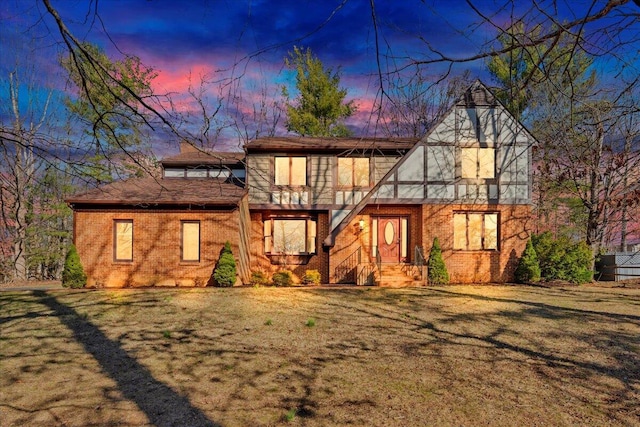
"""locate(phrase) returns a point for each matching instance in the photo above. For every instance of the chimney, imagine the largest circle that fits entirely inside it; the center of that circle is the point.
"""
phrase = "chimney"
(187, 147)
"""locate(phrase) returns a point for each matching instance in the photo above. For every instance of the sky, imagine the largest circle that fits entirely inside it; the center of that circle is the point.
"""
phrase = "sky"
(222, 39)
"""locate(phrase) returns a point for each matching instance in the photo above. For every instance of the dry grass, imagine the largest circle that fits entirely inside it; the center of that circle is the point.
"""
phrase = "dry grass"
(464, 356)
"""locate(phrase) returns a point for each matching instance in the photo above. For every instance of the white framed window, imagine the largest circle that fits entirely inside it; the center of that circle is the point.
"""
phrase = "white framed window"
(478, 163)
(290, 171)
(290, 236)
(475, 231)
(123, 240)
(190, 240)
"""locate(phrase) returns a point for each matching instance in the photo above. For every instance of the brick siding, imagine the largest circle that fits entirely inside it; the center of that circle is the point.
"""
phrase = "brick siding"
(156, 247)
(429, 221)
(478, 266)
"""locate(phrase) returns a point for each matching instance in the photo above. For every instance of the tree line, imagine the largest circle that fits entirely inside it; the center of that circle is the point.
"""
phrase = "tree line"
(586, 166)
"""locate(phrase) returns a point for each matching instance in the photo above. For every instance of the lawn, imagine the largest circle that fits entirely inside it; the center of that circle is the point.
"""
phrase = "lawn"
(457, 355)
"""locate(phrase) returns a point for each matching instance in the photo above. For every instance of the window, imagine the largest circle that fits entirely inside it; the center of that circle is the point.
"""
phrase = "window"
(123, 240)
(196, 173)
(174, 173)
(291, 171)
(291, 236)
(478, 163)
(353, 172)
(474, 231)
(190, 236)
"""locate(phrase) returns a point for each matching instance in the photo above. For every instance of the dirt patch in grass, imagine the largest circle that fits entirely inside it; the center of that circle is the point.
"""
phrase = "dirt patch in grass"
(460, 355)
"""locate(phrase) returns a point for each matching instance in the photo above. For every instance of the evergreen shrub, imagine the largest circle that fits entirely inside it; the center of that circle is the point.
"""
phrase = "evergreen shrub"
(282, 278)
(73, 275)
(528, 269)
(258, 278)
(225, 271)
(562, 259)
(437, 273)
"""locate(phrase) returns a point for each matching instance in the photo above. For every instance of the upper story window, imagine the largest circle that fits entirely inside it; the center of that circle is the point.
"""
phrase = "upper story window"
(353, 172)
(224, 173)
(291, 171)
(174, 172)
(197, 173)
(478, 163)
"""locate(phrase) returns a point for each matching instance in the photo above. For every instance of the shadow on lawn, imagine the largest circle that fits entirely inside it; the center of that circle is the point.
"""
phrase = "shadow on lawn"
(620, 347)
(162, 405)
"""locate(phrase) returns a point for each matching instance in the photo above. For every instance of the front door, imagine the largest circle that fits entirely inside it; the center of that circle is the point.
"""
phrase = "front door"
(389, 239)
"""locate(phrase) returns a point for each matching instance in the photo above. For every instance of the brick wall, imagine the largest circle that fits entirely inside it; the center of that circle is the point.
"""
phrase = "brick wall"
(478, 266)
(430, 221)
(156, 247)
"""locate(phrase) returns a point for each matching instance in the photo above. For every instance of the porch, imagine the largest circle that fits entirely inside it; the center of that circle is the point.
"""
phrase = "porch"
(361, 271)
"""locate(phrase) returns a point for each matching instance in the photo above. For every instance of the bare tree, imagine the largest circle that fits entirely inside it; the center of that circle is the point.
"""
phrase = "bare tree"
(23, 199)
(413, 105)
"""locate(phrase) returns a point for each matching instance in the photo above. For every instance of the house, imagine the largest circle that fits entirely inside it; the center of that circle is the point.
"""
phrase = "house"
(167, 231)
(359, 210)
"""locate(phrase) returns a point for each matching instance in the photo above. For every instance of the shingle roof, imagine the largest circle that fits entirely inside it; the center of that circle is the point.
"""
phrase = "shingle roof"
(317, 144)
(170, 191)
(202, 158)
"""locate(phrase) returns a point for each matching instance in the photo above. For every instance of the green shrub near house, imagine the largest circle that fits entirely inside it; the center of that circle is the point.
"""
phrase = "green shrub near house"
(562, 259)
(259, 278)
(311, 277)
(437, 273)
(282, 278)
(73, 275)
(225, 271)
(528, 269)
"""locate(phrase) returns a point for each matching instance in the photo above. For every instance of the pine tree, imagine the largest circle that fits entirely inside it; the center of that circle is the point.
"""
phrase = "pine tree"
(109, 96)
(319, 109)
(436, 268)
(528, 269)
(73, 275)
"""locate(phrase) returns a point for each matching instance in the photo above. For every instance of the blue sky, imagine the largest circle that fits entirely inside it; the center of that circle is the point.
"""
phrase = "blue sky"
(222, 38)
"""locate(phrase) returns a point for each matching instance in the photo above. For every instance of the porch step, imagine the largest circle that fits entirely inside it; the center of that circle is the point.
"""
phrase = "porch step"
(398, 276)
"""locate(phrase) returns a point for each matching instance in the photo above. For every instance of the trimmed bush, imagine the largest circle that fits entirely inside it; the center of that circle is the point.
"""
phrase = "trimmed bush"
(562, 259)
(311, 277)
(282, 278)
(437, 273)
(258, 278)
(579, 264)
(73, 275)
(225, 271)
(528, 269)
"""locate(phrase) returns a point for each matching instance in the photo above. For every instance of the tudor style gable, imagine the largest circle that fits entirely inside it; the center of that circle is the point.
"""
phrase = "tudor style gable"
(478, 153)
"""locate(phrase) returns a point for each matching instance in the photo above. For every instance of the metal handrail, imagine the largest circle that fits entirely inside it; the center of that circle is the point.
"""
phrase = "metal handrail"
(347, 266)
(365, 275)
(419, 261)
(418, 258)
(378, 262)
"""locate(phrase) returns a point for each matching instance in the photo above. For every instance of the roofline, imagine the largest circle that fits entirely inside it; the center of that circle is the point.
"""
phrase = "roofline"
(330, 240)
(329, 144)
(529, 134)
(102, 202)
